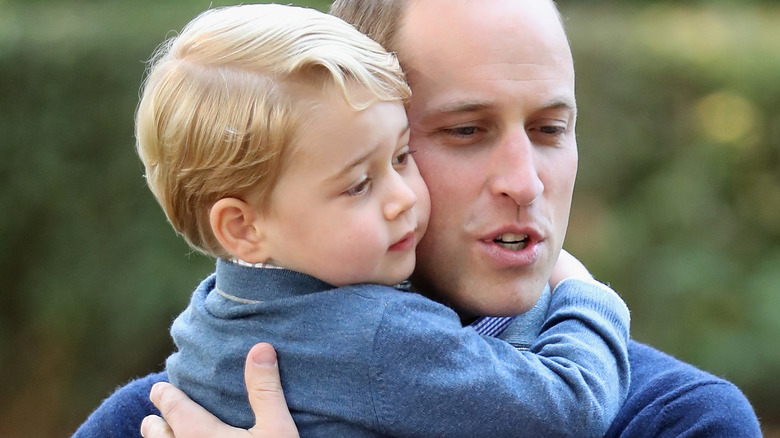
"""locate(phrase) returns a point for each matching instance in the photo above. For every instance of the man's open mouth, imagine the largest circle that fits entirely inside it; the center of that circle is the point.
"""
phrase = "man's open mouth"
(512, 242)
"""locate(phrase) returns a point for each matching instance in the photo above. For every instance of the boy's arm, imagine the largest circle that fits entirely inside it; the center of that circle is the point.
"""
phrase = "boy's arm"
(431, 376)
(461, 384)
(435, 380)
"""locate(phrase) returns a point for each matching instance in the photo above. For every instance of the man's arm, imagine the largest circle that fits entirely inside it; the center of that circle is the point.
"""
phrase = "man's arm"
(186, 419)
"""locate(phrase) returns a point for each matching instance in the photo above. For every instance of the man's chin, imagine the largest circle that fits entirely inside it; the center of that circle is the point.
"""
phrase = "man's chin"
(471, 299)
(498, 306)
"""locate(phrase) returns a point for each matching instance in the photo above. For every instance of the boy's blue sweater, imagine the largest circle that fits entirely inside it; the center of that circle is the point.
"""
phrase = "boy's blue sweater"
(667, 399)
(368, 360)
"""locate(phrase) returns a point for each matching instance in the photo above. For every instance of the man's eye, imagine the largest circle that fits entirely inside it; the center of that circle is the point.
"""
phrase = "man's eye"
(552, 130)
(462, 131)
(360, 188)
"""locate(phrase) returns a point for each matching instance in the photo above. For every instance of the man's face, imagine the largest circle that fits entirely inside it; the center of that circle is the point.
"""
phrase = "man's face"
(492, 117)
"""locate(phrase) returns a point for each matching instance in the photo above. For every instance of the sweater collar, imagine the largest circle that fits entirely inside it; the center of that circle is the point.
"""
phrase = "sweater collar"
(252, 284)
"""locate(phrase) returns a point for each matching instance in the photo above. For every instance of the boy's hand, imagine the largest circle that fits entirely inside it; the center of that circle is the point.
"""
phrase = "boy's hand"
(186, 419)
(568, 267)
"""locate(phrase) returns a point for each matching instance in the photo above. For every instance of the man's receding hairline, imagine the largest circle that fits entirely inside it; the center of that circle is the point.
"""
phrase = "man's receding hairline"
(406, 4)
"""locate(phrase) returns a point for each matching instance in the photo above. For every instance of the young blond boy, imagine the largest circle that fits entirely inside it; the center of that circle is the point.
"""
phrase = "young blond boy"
(275, 139)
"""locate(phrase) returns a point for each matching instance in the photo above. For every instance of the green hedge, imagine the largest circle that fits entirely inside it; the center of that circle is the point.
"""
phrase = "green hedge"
(677, 203)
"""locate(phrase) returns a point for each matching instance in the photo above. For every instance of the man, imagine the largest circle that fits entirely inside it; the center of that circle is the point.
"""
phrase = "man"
(492, 117)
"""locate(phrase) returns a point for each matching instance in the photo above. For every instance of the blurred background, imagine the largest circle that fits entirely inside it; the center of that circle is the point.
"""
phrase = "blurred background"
(677, 203)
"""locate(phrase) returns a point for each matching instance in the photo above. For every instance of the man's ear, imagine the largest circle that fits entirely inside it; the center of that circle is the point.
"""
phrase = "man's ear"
(238, 228)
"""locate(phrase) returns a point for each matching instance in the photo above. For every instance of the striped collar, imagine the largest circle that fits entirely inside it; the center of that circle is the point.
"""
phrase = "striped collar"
(491, 325)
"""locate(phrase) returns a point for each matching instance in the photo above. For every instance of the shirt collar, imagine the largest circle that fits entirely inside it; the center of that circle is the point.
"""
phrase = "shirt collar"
(522, 330)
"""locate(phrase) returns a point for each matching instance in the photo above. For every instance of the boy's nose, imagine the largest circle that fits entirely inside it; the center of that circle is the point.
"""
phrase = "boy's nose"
(400, 197)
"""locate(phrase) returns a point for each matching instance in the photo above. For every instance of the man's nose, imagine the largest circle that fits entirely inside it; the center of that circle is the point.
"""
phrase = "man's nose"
(514, 169)
(400, 197)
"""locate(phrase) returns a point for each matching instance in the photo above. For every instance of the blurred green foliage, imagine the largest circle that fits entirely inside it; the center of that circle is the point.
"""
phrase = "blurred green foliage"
(678, 196)
(677, 203)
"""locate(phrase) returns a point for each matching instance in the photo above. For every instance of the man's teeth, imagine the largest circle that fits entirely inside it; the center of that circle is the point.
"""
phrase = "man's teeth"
(511, 241)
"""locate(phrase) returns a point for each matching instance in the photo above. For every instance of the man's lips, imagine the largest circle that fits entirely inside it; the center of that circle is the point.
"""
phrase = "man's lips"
(513, 241)
(513, 237)
(513, 246)
(406, 243)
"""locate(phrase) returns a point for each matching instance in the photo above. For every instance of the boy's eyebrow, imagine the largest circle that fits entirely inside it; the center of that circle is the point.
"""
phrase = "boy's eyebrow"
(352, 164)
(361, 159)
(405, 130)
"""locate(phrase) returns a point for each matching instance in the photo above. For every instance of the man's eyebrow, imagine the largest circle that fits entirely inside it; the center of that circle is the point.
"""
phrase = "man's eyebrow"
(473, 106)
(561, 104)
(462, 107)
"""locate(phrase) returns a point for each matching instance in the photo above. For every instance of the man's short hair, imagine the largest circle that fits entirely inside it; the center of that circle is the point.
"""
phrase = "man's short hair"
(379, 19)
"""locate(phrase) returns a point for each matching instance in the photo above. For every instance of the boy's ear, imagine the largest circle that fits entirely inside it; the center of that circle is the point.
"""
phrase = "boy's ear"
(238, 228)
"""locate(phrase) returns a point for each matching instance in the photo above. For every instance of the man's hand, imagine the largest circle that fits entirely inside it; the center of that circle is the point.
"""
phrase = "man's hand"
(568, 267)
(186, 419)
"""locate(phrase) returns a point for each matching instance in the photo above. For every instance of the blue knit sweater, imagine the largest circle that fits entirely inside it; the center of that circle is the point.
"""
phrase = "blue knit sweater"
(666, 398)
(368, 360)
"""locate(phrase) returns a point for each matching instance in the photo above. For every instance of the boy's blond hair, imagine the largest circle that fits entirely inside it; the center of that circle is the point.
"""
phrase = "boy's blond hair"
(215, 119)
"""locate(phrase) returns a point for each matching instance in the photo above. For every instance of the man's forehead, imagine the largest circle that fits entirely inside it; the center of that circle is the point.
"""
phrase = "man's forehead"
(442, 90)
(526, 35)
(432, 25)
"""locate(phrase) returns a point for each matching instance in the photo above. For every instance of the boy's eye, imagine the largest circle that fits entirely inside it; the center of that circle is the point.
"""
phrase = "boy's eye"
(401, 159)
(360, 188)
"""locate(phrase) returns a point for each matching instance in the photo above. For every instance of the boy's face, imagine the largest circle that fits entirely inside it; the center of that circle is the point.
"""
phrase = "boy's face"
(351, 206)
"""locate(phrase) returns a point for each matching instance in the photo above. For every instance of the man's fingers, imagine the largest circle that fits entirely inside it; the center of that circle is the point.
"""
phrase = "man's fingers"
(155, 427)
(188, 420)
(272, 417)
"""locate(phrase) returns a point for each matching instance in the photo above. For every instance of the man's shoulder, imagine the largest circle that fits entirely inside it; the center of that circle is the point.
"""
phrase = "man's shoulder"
(121, 413)
(669, 397)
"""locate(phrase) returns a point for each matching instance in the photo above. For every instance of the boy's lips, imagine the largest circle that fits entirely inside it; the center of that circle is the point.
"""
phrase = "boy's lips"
(406, 243)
